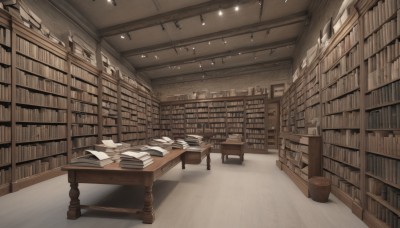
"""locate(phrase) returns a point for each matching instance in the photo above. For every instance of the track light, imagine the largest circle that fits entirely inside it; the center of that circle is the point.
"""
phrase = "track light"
(177, 25)
(112, 2)
(209, 42)
(220, 13)
(200, 65)
(122, 36)
(251, 37)
(162, 26)
(143, 56)
(212, 62)
(129, 36)
(156, 57)
(202, 20)
(224, 41)
(236, 8)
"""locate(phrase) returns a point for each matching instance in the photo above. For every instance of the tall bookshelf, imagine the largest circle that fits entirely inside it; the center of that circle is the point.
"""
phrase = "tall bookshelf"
(217, 123)
(381, 61)
(5, 105)
(128, 112)
(340, 95)
(141, 119)
(109, 107)
(255, 124)
(272, 122)
(39, 108)
(85, 108)
(155, 111)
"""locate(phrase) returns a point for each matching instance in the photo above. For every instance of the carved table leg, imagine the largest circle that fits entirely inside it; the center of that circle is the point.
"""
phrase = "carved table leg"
(222, 157)
(74, 209)
(183, 160)
(208, 161)
(148, 210)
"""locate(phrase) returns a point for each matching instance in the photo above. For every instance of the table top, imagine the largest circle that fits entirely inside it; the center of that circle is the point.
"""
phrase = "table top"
(232, 143)
(158, 163)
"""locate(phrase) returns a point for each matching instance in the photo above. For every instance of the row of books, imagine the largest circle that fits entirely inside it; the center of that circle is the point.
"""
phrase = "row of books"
(344, 46)
(251, 121)
(386, 94)
(40, 54)
(249, 125)
(348, 102)
(383, 142)
(26, 152)
(82, 85)
(77, 106)
(5, 56)
(343, 185)
(110, 87)
(84, 74)
(342, 86)
(348, 173)
(379, 14)
(127, 122)
(5, 92)
(40, 83)
(255, 115)
(387, 193)
(39, 132)
(84, 96)
(80, 118)
(253, 109)
(312, 101)
(213, 109)
(24, 114)
(5, 113)
(217, 125)
(26, 96)
(78, 130)
(39, 69)
(39, 166)
(384, 66)
(5, 134)
(5, 155)
(258, 146)
(342, 120)
(255, 141)
(383, 167)
(109, 121)
(5, 74)
(109, 98)
(211, 115)
(196, 110)
(110, 130)
(345, 155)
(5, 36)
(379, 39)
(382, 213)
(79, 142)
(348, 138)
(384, 118)
(347, 63)
(5, 176)
(235, 109)
(235, 120)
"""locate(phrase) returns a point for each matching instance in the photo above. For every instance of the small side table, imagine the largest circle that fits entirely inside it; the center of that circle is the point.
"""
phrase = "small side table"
(232, 148)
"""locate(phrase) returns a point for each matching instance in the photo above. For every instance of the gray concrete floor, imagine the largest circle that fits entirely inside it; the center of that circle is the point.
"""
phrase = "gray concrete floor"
(255, 194)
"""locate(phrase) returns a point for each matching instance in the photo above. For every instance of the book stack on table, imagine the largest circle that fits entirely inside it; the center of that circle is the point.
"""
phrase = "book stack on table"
(135, 159)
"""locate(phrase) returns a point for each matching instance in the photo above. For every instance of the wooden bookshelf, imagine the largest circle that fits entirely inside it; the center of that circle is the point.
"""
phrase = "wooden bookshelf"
(109, 109)
(216, 118)
(300, 158)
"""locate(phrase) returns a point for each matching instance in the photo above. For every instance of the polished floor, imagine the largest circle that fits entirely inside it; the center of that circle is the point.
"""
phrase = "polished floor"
(255, 194)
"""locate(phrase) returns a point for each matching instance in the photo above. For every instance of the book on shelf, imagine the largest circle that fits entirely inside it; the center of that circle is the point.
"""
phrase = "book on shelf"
(135, 159)
(154, 150)
(93, 159)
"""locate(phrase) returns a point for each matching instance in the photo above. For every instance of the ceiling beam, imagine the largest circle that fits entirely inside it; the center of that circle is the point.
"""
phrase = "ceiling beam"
(243, 50)
(259, 26)
(226, 72)
(171, 16)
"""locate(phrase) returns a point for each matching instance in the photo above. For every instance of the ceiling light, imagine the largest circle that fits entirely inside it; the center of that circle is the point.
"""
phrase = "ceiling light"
(209, 42)
(251, 37)
(222, 60)
(194, 48)
(220, 13)
(177, 25)
(203, 76)
(122, 37)
(236, 8)
(156, 57)
(202, 20)
(239, 53)
(178, 67)
(224, 41)
(162, 26)
(212, 62)
(143, 56)
(200, 65)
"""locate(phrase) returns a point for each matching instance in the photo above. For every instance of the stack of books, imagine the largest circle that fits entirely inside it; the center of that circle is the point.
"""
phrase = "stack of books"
(92, 158)
(113, 150)
(180, 144)
(194, 140)
(164, 142)
(154, 150)
(234, 138)
(135, 160)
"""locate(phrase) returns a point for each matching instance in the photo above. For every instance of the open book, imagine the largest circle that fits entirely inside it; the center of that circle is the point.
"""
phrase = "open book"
(155, 150)
(135, 159)
(93, 159)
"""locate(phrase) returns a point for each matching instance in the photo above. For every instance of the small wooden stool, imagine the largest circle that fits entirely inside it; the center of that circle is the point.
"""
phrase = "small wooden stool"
(319, 188)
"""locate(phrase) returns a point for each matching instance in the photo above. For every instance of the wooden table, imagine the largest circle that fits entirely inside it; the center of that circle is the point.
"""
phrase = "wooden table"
(232, 148)
(113, 174)
(195, 157)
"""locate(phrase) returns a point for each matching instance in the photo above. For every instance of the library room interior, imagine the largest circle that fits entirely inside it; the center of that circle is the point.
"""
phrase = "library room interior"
(200, 113)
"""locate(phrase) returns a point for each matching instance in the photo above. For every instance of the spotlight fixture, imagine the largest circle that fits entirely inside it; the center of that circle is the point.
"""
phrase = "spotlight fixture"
(209, 42)
(236, 8)
(122, 36)
(112, 2)
(202, 20)
(143, 56)
(177, 25)
(178, 67)
(162, 26)
(222, 60)
(129, 36)
(224, 41)
(212, 62)
(156, 57)
(200, 65)
(203, 76)
(239, 53)
(252, 37)
(220, 13)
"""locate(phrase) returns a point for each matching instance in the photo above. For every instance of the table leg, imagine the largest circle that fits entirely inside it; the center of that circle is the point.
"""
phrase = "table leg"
(222, 157)
(183, 161)
(208, 161)
(148, 210)
(241, 158)
(74, 209)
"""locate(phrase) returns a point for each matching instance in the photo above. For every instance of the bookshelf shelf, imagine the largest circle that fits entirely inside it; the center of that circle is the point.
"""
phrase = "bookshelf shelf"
(37, 105)
(384, 203)
(40, 140)
(397, 157)
(41, 62)
(383, 180)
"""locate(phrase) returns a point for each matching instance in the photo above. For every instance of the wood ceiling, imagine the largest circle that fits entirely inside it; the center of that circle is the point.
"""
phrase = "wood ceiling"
(165, 39)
